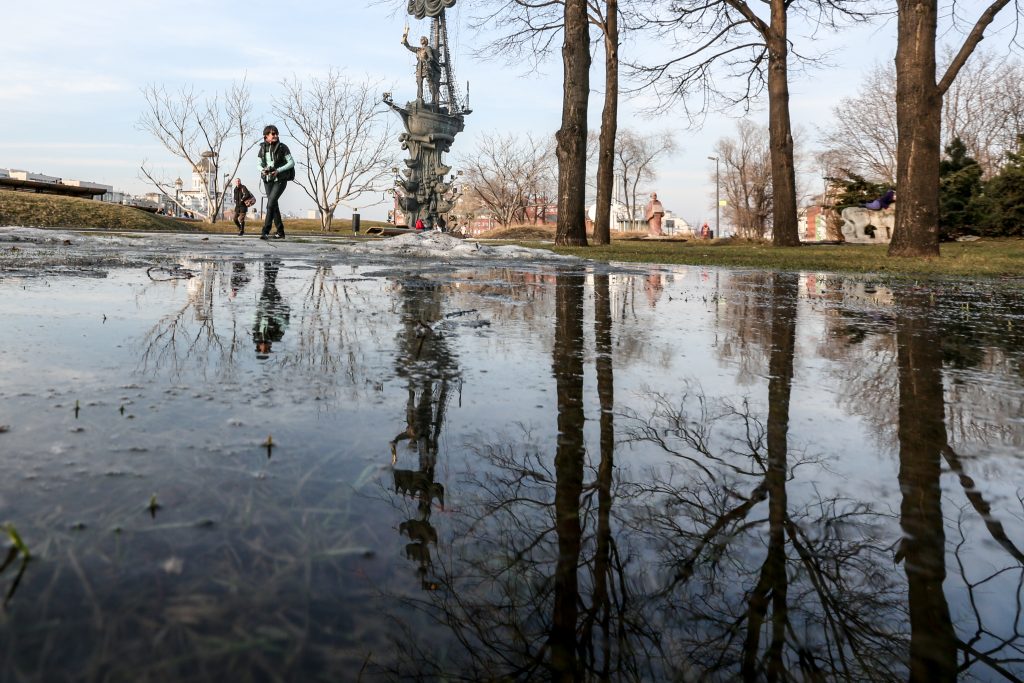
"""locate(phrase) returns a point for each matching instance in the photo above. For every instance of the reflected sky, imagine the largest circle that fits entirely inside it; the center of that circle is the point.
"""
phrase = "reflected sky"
(324, 470)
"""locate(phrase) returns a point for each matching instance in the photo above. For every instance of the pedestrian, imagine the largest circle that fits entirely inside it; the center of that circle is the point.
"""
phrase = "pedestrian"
(442, 224)
(277, 167)
(243, 200)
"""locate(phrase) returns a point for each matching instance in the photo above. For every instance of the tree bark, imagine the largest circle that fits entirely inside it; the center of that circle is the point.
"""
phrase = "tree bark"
(922, 438)
(609, 126)
(569, 458)
(572, 136)
(918, 125)
(785, 232)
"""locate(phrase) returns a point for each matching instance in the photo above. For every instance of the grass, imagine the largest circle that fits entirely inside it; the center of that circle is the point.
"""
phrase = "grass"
(988, 257)
(55, 211)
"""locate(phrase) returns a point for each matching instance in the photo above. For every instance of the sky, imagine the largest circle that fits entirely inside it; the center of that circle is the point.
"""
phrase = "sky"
(71, 98)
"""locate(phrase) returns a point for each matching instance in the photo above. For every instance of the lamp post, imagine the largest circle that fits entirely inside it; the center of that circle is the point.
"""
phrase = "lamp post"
(718, 200)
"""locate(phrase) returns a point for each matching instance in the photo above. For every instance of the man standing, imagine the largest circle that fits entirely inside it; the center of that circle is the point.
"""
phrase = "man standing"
(243, 200)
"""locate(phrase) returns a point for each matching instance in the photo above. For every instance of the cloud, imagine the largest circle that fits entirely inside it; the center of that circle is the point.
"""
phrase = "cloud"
(28, 87)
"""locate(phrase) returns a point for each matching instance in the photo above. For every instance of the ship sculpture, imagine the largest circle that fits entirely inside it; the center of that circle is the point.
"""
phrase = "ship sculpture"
(425, 189)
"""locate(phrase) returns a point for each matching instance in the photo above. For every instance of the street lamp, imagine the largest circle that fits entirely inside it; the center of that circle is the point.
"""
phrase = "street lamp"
(718, 201)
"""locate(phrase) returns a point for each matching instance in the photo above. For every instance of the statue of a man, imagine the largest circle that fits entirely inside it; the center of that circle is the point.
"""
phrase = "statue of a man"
(427, 67)
(653, 213)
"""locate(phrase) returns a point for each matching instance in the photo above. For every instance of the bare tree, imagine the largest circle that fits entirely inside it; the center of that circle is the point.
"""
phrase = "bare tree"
(344, 136)
(635, 157)
(506, 174)
(746, 179)
(572, 136)
(197, 129)
(863, 135)
(731, 38)
(984, 107)
(526, 29)
(919, 117)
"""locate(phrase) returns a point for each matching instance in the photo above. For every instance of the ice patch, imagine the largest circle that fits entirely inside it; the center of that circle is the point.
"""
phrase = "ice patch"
(441, 246)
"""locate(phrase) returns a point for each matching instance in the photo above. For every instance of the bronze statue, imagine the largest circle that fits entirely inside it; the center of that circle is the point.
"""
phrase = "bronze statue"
(428, 8)
(423, 189)
(428, 67)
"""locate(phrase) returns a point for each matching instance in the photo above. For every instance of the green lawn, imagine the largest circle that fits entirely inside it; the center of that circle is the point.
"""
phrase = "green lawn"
(983, 258)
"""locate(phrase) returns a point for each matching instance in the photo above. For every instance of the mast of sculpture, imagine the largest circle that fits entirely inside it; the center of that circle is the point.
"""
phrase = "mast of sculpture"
(431, 121)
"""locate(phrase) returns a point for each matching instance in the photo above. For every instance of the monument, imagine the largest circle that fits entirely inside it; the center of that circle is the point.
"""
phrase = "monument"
(868, 226)
(424, 189)
(653, 213)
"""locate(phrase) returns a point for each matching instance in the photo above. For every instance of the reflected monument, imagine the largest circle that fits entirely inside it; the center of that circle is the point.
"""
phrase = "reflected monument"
(424, 189)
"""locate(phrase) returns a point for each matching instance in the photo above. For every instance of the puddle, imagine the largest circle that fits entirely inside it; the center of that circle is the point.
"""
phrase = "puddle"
(307, 465)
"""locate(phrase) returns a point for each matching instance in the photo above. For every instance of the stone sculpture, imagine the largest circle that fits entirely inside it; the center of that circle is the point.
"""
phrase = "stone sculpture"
(653, 213)
(866, 226)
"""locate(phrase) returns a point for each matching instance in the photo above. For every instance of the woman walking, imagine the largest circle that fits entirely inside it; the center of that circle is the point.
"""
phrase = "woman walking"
(277, 167)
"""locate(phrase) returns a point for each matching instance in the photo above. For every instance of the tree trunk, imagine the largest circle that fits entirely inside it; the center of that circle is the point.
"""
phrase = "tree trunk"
(569, 458)
(918, 126)
(572, 136)
(922, 438)
(609, 126)
(785, 232)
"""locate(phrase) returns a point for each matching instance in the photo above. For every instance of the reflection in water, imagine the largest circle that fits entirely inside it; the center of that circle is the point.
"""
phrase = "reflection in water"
(746, 527)
(567, 367)
(923, 440)
(922, 436)
(272, 312)
(239, 277)
(428, 366)
(810, 601)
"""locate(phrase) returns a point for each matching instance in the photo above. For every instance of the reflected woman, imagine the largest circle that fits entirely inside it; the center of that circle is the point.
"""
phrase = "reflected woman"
(277, 167)
(272, 313)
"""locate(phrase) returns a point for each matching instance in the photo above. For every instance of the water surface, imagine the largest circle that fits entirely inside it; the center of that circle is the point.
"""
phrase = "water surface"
(305, 469)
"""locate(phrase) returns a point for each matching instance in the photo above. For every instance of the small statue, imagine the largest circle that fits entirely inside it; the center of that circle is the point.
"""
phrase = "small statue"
(427, 67)
(653, 214)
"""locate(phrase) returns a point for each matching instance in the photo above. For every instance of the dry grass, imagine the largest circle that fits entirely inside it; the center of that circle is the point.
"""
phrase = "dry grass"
(55, 211)
(983, 258)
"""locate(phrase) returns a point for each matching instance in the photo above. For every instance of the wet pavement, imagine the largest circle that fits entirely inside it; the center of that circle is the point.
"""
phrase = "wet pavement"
(303, 463)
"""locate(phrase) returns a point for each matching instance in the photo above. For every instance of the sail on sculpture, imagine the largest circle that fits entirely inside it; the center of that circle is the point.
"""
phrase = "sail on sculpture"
(432, 120)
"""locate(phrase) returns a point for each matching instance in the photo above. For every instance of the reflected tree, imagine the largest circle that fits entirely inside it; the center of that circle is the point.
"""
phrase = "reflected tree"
(189, 333)
(535, 586)
(810, 603)
(923, 442)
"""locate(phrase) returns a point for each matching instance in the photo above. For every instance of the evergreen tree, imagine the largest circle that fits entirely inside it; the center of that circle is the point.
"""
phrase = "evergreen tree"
(959, 190)
(855, 190)
(1002, 203)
